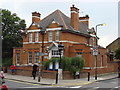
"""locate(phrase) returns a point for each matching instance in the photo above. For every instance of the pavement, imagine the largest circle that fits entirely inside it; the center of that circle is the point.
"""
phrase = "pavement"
(62, 83)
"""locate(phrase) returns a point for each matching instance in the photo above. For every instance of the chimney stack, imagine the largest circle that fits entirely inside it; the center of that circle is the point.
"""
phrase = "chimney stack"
(74, 17)
(84, 19)
(35, 17)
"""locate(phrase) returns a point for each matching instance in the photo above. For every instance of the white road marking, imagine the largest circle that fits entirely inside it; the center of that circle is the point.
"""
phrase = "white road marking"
(76, 87)
(116, 87)
(96, 87)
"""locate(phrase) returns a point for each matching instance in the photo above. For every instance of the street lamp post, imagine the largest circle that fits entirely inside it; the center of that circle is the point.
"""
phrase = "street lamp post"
(42, 32)
(96, 48)
(60, 49)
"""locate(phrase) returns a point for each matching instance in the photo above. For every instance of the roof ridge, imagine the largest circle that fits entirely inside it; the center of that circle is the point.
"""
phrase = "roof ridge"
(50, 14)
(62, 19)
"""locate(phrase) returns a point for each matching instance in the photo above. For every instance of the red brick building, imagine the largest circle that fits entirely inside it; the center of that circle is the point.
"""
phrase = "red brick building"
(73, 32)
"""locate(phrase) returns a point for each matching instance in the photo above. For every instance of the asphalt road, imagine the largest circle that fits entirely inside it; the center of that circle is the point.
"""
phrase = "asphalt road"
(112, 84)
(18, 85)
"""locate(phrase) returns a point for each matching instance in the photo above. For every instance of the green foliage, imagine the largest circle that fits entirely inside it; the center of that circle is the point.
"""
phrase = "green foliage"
(11, 26)
(117, 53)
(46, 63)
(77, 64)
(73, 64)
(66, 63)
(7, 62)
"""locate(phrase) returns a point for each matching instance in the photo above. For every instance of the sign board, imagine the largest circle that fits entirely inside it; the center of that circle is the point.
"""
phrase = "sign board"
(41, 54)
(95, 51)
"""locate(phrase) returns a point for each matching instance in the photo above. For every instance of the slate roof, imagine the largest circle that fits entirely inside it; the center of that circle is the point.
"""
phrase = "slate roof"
(63, 21)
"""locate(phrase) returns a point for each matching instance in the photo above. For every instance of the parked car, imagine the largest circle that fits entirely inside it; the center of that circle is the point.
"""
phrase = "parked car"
(2, 85)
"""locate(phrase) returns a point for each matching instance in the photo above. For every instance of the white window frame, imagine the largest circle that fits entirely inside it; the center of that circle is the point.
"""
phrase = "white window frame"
(17, 58)
(55, 53)
(36, 57)
(30, 37)
(36, 37)
(29, 57)
(49, 36)
(57, 35)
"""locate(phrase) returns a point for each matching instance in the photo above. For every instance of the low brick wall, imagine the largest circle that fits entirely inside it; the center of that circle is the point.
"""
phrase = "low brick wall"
(66, 74)
(49, 74)
(27, 71)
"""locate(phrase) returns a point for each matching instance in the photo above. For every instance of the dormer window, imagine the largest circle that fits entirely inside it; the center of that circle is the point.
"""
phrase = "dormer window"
(30, 37)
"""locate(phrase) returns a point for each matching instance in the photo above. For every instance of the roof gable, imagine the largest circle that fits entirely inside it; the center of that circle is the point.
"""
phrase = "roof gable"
(53, 45)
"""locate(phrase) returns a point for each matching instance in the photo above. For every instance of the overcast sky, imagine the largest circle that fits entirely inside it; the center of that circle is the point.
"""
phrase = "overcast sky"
(99, 11)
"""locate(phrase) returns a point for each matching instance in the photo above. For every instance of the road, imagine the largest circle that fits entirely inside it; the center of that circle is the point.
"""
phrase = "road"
(19, 85)
(111, 84)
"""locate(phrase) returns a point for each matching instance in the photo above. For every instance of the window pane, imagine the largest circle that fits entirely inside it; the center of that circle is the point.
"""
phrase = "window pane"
(36, 37)
(30, 37)
(36, 57)
(55, 53)
(18, 58)
(57, 36)
(29, 57)
(50, 36)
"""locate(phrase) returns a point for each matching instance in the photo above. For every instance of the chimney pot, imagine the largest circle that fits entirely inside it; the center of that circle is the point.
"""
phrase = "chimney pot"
(36, 17)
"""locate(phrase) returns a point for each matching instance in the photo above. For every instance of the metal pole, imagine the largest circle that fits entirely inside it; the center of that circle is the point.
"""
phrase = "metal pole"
(60, 60)
(40, 68)
(96, 55)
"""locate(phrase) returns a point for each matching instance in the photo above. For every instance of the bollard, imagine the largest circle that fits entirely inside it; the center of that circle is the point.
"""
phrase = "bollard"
(56, 78)
(118, 74)
(88, 76)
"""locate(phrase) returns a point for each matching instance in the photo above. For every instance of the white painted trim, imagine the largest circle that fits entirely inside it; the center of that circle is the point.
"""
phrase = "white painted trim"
(53, 29)
(86, 67)
(17, 64)
(30, 64)
(50, 42)
(84, 20)
(74, 12)
(70, 42)
(100, 67)
(92, 35)
(35, 30)
(53, 22)
(36, 16)
(24, 64)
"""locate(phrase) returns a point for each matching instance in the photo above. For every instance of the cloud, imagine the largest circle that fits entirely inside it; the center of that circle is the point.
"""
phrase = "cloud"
(22, 1)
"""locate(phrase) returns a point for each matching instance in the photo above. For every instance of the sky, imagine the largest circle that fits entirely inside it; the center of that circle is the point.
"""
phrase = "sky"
(99, 11)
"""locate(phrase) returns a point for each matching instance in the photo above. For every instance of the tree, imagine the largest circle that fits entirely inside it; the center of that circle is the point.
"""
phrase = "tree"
(11, 37)
(117, 53)
(76, 65)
